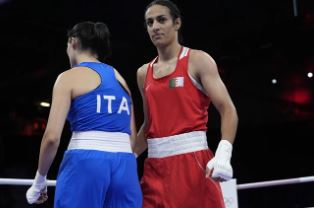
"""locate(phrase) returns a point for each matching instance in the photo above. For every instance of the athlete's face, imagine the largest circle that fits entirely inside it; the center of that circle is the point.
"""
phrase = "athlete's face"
(161, 28)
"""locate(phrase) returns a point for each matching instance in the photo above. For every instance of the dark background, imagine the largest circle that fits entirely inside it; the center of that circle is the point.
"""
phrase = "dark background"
(252, 42)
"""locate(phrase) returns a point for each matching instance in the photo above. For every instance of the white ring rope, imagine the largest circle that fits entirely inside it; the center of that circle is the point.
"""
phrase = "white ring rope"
(276, 182)
(307, 179)
(22, 182)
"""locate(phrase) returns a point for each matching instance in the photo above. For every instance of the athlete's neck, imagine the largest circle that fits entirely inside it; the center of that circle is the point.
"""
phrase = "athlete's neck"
(84, 58)
(169, 52)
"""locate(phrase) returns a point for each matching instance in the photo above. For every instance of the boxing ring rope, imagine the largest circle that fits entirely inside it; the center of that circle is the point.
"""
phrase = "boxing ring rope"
(307, 179)
(22, 182)
(275, 182)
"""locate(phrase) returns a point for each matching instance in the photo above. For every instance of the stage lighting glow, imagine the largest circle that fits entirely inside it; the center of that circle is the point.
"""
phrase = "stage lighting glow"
(45, 104)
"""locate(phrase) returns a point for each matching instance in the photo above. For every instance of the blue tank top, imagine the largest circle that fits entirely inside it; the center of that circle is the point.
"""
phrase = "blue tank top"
(106, 108)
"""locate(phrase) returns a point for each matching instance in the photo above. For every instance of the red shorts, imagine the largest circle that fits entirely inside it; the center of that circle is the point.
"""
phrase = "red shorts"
(179, 182)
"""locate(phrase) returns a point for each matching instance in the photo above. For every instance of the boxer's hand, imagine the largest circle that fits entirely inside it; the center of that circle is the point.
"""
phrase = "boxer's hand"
(37, 193)
(219, 166)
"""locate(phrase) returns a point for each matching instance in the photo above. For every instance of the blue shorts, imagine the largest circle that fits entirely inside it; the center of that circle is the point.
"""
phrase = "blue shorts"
(97, 179)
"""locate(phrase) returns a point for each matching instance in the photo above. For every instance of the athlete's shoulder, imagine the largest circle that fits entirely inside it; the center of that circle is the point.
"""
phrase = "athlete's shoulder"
(77, 73)
(68, 73)
(200, 56)
(196, 53)
(63, 80)
(141, 71)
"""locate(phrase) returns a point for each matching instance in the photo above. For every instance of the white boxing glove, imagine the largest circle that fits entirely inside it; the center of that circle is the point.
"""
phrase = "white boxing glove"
(37, 193)
(220, 163)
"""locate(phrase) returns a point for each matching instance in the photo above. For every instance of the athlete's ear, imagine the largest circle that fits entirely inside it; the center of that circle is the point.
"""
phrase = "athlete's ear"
(74, 42)
(177, 23)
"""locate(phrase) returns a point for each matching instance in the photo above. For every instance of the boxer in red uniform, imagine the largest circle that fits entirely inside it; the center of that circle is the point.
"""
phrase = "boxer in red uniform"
(177, 88)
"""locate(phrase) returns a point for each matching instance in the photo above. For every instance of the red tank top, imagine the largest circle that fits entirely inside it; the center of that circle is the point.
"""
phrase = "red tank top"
(174, 104)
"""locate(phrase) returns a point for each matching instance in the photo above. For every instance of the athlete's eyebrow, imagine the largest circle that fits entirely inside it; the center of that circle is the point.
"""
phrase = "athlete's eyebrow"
(156, 17)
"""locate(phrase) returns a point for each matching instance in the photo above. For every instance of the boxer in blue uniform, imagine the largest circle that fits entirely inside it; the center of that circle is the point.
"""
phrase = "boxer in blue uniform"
(98, 169)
